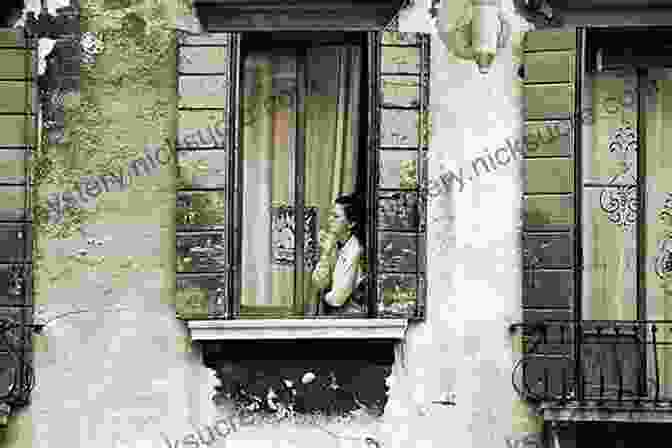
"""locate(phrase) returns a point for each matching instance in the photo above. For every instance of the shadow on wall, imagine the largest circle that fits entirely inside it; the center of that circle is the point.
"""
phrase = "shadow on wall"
(10, 12)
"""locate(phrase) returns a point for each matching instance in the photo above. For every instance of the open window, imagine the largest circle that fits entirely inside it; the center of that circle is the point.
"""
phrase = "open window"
(303, 142)
(597, 228)
(276, 125)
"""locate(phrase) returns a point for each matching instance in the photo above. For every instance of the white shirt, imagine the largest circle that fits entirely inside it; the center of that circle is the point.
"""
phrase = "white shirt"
(346, 273)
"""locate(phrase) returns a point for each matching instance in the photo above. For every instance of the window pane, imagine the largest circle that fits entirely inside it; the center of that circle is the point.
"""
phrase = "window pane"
(201, 169)
(200, 209)
(268, 165)
(201, 252)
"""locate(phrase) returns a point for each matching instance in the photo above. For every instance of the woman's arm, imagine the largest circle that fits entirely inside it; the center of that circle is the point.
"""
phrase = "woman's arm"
(344, 279)
(322, 273)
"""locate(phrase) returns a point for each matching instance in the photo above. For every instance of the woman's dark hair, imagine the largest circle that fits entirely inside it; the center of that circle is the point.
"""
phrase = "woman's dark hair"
(8, 11)
(353, 206)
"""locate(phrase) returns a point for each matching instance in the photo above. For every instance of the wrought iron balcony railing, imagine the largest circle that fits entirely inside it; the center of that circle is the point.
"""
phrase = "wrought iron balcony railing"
(606, 363)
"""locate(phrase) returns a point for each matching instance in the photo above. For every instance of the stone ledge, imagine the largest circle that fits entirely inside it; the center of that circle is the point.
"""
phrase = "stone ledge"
(645, 413)
(293, 329)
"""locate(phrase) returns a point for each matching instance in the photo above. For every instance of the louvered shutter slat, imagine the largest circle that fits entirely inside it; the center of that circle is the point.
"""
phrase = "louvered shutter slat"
(548, 200)
(18, 138)
(205, 151)
(401, 156)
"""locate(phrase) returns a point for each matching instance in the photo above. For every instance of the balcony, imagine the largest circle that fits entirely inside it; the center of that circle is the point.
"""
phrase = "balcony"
(597, 370)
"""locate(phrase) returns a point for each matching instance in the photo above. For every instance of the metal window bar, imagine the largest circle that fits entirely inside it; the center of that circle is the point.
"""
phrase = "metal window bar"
(300, 181)
(235, 192)
(642, 80)
(374, 66)
(578, 206)
(612, 372)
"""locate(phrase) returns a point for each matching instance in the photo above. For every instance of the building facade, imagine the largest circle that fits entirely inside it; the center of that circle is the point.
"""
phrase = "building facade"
(514, 225)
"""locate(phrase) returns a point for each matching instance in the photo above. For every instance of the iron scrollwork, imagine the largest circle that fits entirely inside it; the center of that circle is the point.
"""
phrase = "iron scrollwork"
(664, 258)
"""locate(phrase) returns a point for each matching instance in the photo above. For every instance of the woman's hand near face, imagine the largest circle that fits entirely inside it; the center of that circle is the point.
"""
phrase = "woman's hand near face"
(327, 242)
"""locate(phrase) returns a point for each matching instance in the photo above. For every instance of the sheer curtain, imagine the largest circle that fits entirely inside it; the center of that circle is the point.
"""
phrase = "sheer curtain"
(269, 150)
(269, 99)
(332, 123)
(659, 222)
(609, 241)
(609, 199)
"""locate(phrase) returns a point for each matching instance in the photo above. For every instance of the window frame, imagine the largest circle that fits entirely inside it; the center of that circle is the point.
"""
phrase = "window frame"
(415, 69)
(300, 41)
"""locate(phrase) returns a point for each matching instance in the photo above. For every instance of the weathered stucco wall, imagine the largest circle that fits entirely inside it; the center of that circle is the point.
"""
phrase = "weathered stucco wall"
(474, 276)
(124, 375)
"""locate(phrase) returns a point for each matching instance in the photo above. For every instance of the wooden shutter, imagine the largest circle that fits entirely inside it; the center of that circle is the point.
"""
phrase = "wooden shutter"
(18, 137)
(398, 186)
(549, 190)
(207, 76)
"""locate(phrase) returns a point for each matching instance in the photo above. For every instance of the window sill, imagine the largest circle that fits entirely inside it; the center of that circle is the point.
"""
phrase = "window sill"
(593, 412)
(294, 329)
